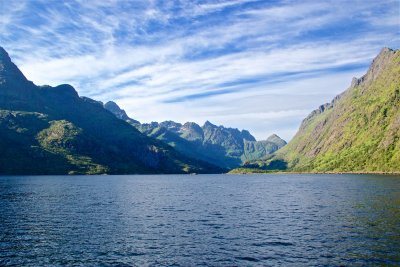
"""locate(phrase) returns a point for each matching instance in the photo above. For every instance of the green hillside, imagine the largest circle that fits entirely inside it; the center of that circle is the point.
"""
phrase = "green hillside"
(359, 131)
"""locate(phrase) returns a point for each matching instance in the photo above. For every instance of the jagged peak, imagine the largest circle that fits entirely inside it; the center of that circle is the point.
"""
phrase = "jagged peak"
(116, 110)
(171, 125)
(152, 124)
(119, 113)
(92, 101)
(377, 65)
(191, 131)
(209, 124)
(380, 61)
(247, 135)
(386, 50)
(9, 72)
(274, 138)
(4, 54)
(190, 124)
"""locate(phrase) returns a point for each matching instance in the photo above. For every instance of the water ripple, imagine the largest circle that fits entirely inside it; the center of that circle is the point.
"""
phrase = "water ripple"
(202, 220)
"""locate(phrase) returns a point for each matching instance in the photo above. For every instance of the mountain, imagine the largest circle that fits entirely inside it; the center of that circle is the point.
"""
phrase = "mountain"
(119, 113)
(359, 131)
(51, 130)
(225, 147)
(257, 150)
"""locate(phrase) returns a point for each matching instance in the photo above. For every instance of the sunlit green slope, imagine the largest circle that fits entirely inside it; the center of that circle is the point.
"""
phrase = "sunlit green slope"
(359, 131)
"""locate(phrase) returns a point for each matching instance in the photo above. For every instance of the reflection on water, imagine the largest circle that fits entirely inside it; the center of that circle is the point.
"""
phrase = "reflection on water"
(208, 220)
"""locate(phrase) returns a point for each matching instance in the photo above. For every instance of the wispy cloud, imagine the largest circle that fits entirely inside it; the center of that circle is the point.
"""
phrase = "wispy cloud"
(215, 60)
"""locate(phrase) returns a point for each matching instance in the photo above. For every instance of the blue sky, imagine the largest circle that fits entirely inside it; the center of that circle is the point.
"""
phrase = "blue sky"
(257, 65)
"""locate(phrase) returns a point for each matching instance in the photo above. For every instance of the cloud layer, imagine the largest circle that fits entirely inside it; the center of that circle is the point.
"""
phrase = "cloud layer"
(259, 65)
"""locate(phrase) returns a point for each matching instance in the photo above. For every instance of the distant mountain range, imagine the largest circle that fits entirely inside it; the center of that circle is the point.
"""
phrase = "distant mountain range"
(224, 147)
(51, 130)
(359, 131)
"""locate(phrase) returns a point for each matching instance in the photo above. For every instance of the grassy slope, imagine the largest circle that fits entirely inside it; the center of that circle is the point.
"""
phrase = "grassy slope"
(20, 151)
(359, 134)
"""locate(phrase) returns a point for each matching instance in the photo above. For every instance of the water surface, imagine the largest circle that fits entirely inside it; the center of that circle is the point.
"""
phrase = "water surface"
(209, 220)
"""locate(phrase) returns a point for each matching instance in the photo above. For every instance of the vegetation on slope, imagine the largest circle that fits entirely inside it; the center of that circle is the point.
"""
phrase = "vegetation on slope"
(51, 130)
(359, 131)
(225, 147)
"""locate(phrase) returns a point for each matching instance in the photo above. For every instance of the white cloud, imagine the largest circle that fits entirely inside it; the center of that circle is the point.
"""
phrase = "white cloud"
(271, 108)
(111, 50)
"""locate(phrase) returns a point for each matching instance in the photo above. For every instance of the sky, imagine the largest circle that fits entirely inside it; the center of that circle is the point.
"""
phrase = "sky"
(248, 64)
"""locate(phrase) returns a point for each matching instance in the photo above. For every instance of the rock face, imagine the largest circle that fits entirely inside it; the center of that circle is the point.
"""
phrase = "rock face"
(118, 112)
(9, 72)
(225, 147)
(359, 130)
(51, 130)
(276, 140)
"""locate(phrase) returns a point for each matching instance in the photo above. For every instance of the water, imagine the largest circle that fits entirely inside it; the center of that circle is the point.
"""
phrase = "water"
(209, 220)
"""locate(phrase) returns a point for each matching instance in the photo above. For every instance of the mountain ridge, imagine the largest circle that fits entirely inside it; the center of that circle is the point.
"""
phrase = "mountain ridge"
(51, 130)
(358, 131)
(225, 147)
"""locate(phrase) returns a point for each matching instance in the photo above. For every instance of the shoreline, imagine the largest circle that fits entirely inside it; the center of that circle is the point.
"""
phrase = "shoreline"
(232, 172)
(256, 171)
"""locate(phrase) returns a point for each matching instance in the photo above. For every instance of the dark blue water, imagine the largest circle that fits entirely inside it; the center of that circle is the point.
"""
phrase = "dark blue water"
(210, 220)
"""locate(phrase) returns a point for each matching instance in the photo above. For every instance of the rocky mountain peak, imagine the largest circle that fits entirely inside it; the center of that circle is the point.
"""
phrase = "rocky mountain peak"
(385, 56)
(114, 108)
(191, 126)
(247, 135)
(361, 131)
(276, 140)
(208, 124)
(192, 131)
(377, 65)
(273, 136)
(171, 125)
(111, 105)
(3, 54)
(9, 72)
(118, 112)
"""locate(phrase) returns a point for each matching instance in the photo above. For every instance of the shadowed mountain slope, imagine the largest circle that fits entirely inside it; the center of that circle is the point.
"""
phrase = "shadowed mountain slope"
(51, 130)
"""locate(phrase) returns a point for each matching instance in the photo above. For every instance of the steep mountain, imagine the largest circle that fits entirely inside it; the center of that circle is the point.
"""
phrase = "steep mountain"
(225, 147)
(51, 130)
(118, 112)
(258, 150)
(359, 131)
